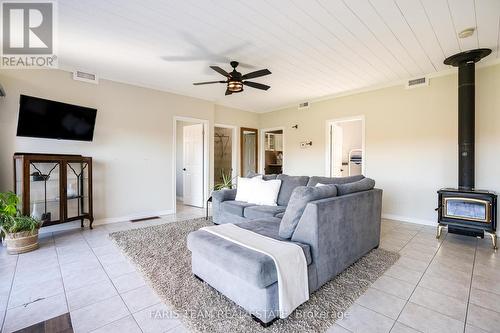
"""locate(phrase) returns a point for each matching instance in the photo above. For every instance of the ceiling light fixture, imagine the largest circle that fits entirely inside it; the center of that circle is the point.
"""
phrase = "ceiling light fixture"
(466, 32)
(234, 86)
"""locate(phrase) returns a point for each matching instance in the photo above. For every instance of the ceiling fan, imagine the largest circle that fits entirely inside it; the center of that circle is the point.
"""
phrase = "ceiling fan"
(235, 81)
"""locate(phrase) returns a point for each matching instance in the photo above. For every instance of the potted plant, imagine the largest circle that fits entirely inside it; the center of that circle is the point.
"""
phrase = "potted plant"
(19, 232)
(227, 182)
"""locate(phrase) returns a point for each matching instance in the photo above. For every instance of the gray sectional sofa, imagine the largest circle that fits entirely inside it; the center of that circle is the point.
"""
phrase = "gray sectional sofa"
(335, 225)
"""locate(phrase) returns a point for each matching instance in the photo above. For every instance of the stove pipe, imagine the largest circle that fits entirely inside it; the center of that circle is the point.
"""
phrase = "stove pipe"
(465, 61)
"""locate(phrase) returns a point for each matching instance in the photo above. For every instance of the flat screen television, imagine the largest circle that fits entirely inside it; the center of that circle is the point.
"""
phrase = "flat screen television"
(43, 118)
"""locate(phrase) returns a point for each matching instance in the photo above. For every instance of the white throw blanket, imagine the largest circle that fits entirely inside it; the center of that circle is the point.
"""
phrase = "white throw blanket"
(290, 261)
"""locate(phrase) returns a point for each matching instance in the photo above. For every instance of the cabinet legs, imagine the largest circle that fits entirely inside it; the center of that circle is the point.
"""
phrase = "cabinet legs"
(90, 221)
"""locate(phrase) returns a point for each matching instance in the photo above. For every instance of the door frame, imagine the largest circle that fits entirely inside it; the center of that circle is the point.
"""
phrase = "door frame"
(262, 150)
(242, 129)
(328, 146)
(234, 149)
(206, 157)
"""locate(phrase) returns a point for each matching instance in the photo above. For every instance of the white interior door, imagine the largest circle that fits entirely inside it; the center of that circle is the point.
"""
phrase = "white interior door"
(193, 165)
(337, 144)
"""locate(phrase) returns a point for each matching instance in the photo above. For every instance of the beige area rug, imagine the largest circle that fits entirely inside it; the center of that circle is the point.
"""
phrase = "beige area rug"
(161, 255)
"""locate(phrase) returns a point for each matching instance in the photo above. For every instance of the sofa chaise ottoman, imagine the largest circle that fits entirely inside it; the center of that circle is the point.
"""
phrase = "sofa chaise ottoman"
(333, 232)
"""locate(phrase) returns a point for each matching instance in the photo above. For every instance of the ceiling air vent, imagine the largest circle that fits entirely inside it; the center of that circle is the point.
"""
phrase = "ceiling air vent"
(85, 77)
(419, 82)
(304, 105)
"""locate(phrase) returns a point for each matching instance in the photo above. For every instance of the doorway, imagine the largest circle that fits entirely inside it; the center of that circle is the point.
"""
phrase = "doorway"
(191, 162)
(345, 155)
(249, 150)
(225, 158)
(272, 156)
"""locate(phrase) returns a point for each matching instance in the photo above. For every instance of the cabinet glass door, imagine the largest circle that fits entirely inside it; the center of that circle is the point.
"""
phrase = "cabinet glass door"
(77, 187)
(18, 181)
(45, 199)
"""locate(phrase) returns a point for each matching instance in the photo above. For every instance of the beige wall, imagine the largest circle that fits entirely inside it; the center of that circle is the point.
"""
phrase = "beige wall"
(411, 139)
(228, 116)
(132, 147)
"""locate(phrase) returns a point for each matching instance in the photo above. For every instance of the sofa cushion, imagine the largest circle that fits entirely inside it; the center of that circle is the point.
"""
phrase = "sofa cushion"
(235, 207)
(301, 196)
(252, 174)
(258, 191)
(257, 212)
(254, 267)
(333, 180)
(361, 185)
(246, 188)
(288, 184)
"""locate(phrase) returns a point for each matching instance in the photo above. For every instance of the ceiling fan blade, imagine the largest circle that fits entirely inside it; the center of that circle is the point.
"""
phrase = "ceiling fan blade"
(220, 71)
(256, 85)
(228, 92)
(253, 75)
(208, 82)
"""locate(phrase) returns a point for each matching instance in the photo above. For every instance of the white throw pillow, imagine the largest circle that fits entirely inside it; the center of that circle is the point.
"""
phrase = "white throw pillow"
(245, 188)
(265, 192)
(258, 191)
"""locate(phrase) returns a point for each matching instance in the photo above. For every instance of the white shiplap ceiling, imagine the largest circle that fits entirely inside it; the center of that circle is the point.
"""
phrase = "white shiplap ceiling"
(314, 48)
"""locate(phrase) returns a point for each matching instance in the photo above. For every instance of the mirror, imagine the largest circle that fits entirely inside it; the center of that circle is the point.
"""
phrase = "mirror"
(249, 150)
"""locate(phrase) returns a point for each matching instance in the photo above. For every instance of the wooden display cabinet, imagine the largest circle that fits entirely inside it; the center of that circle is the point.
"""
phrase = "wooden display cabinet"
(54, 188)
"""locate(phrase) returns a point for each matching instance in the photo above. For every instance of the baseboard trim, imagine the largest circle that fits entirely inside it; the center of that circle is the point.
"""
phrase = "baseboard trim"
(132, 217)
(408, 219)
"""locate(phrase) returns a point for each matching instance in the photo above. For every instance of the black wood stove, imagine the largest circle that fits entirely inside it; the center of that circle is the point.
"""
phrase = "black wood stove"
(466, 210)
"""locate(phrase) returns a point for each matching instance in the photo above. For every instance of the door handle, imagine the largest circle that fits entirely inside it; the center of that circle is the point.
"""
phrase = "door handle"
(183, 169)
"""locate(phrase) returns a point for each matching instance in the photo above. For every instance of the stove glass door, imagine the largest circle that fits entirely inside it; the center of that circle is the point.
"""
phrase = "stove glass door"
(467, 209)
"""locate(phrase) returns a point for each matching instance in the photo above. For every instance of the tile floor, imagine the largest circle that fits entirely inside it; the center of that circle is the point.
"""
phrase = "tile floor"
(450, 285)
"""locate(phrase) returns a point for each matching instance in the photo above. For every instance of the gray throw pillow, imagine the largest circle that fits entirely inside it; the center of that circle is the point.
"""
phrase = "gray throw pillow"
(301, 196)
(333, 180)
(288, 184)
(361, 185)
(252, 174)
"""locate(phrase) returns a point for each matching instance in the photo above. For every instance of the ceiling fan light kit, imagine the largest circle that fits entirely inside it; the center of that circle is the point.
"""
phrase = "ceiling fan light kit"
(234, 86)
(235, 80)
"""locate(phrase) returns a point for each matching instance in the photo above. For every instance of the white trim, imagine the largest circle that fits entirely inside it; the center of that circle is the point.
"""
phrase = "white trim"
(206, 157)
(109, 220)
(408, 219)
(234, 149)
(328, 150)
(262, 150)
